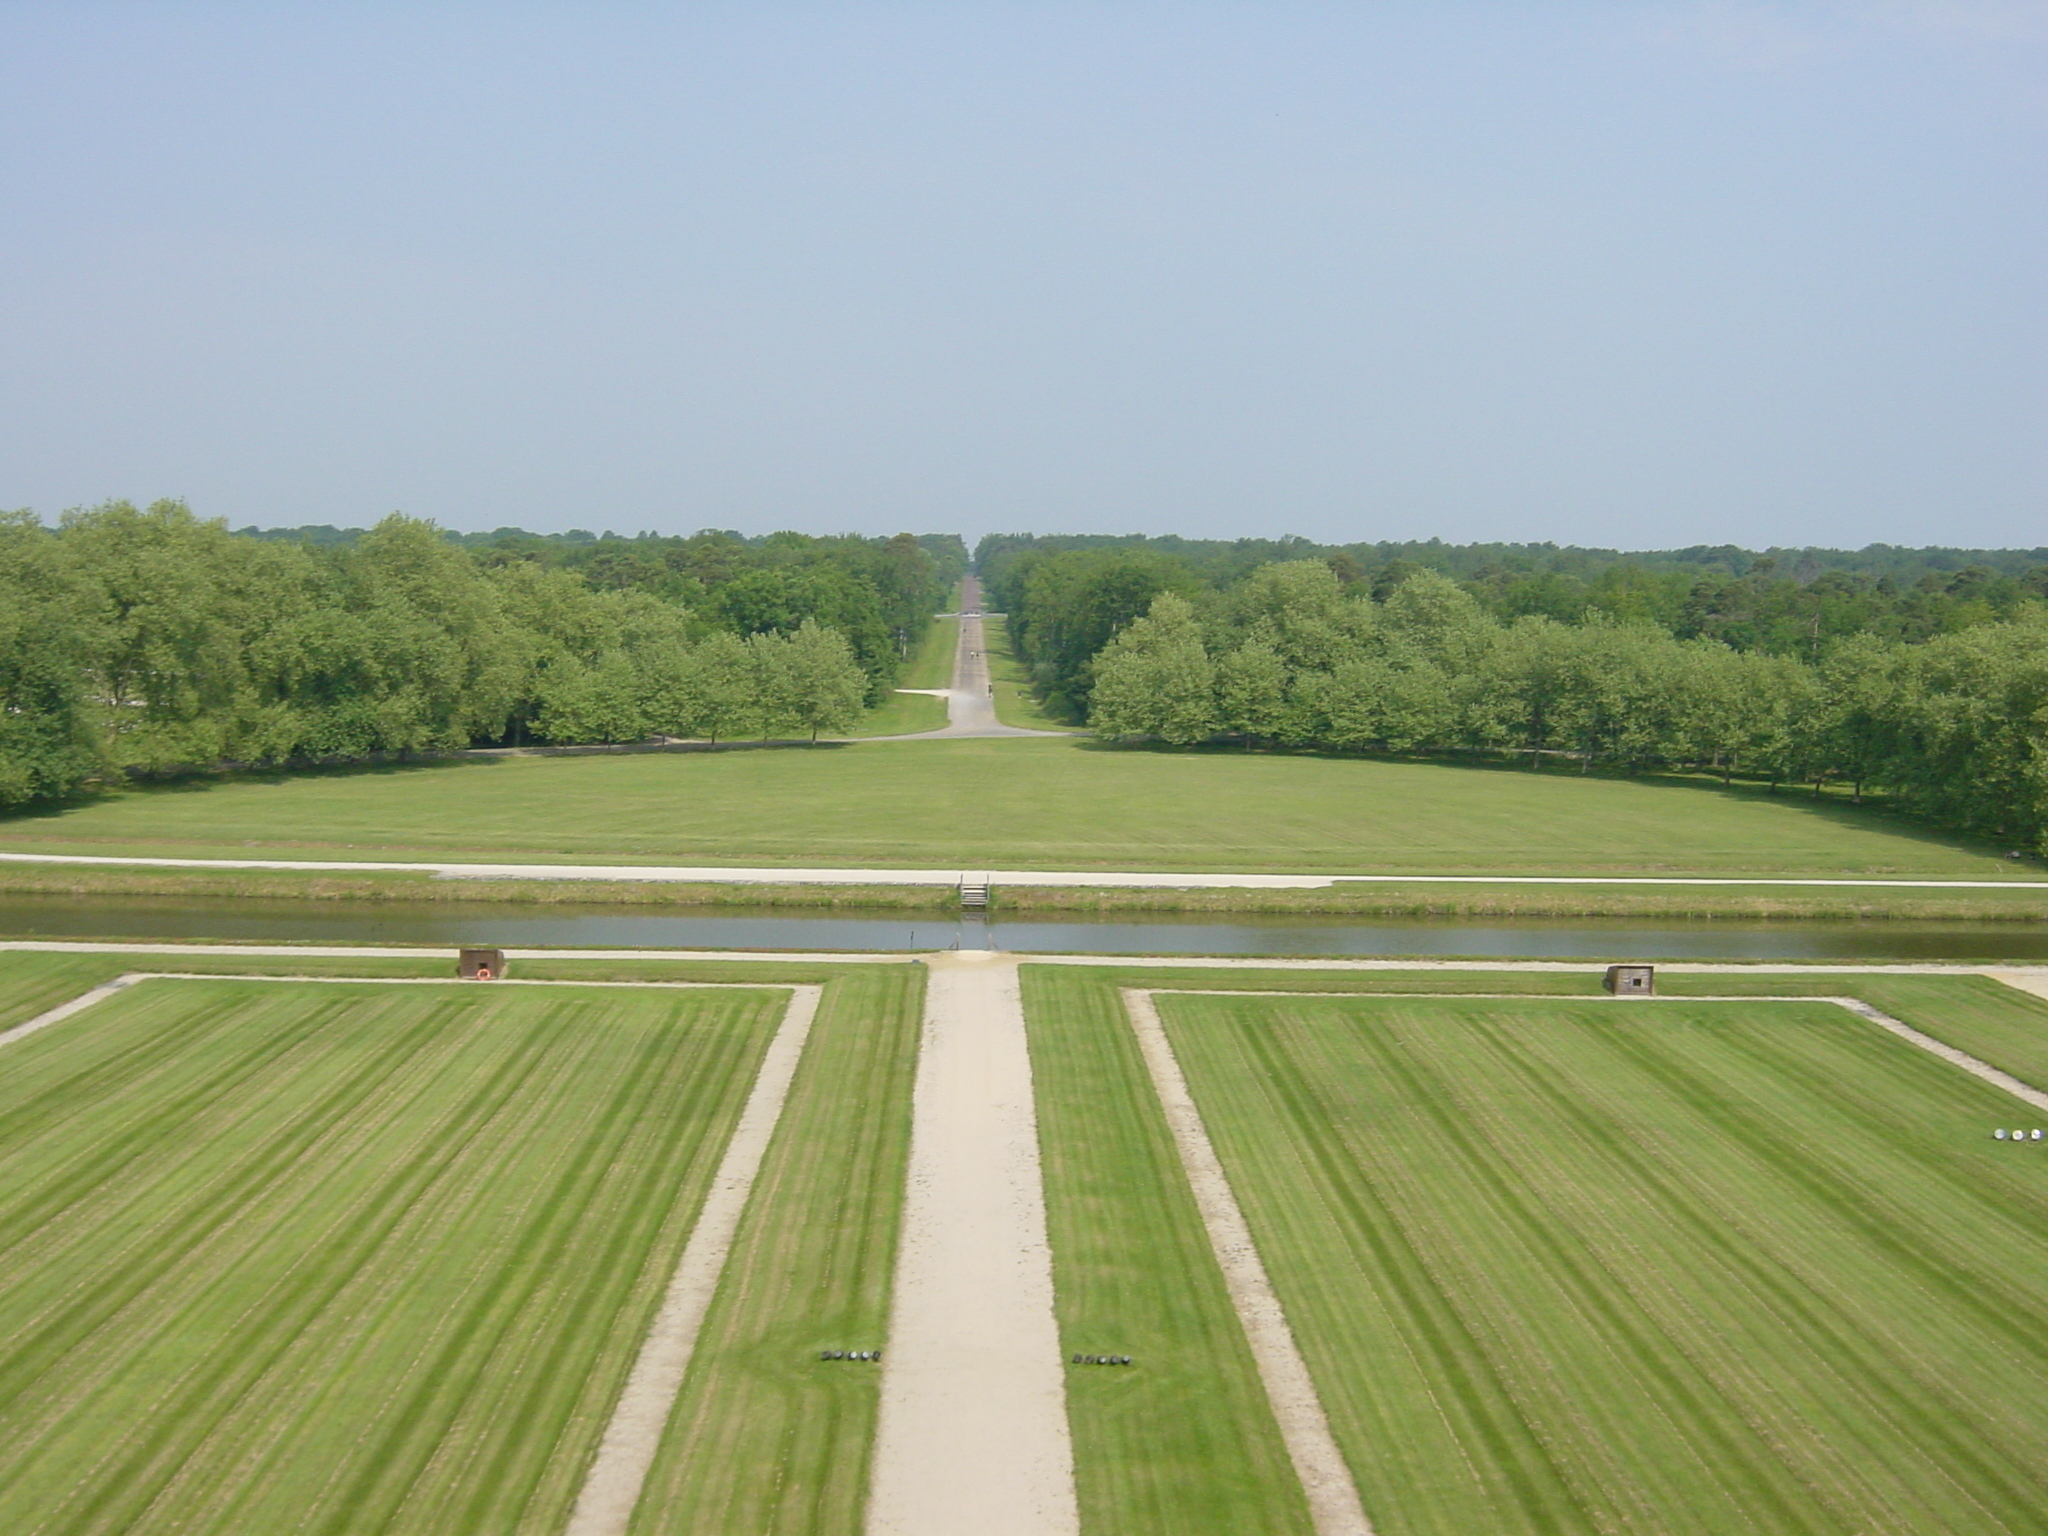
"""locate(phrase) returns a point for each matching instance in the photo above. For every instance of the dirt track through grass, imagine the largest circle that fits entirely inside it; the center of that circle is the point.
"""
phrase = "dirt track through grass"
(1717, 1267)
(333, 1258)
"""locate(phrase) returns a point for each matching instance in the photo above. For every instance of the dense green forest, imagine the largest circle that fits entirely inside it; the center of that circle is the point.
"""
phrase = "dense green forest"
(152, 640)
(1923, 674)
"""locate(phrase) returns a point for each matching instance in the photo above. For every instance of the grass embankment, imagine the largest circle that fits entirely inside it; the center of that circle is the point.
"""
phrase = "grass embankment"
(930, 666)
(1683, 1267)
(1017, 702)
(1182, 1443)
(1023, 804)
(334, 1258)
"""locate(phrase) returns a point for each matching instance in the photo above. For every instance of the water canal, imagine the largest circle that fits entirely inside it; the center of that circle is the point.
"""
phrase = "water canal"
(520, 925)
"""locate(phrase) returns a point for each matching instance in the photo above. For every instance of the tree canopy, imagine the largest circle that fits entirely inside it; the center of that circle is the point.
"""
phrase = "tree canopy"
(1955, 726)
(149, 639)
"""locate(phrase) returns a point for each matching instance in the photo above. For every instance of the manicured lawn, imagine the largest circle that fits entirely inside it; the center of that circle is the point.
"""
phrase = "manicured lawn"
(332, 1258)
(1674, 1266)
(1993, 1022)
(32, 982)
(902, 715)
(932, 665)
(1182, 1443)
(1015, 804)
(767, 1438)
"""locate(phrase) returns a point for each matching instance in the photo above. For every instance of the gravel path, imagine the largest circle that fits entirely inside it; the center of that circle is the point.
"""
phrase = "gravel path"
(970, 702)
(973, 1436)
(78, 1004)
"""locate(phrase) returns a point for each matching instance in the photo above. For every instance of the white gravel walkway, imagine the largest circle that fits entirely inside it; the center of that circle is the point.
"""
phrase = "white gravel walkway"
(973, 1436)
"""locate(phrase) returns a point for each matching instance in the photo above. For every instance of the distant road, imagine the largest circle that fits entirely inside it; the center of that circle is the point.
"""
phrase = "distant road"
(970, 702)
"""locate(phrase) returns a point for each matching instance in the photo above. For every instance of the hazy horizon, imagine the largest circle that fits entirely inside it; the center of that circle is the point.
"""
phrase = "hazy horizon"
(1627, 276)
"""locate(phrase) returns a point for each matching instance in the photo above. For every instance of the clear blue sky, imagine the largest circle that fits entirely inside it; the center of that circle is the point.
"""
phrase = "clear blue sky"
(1631, 274)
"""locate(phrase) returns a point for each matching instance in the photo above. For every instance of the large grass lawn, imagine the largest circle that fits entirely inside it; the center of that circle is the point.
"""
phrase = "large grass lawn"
(1015, 804)
(1678, 1266)
(1993, 1022)
(330, 1258)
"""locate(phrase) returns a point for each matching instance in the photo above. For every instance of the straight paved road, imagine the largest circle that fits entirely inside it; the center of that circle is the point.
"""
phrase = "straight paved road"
(970, 704)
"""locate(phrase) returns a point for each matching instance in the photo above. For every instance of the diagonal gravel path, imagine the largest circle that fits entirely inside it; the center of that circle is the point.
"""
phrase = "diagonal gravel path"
(611, 1487)
(1333, 1502)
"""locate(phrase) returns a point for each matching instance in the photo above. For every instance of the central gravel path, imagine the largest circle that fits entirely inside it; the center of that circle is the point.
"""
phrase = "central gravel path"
(973, 1434)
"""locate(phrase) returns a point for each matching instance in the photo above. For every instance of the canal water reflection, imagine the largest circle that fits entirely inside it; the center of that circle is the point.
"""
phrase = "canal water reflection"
(608, 927)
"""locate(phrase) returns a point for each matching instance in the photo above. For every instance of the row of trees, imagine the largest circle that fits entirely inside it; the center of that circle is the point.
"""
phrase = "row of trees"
(1066, 595)
(1956, 727)
(878, 593)
(152, 640)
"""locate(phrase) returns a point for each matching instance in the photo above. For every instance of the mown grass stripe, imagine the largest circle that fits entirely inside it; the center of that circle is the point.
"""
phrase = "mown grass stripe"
(536, 1095)
(1184, 1443)
(205, 1393)
(1915, 1248)
(1483, 1401)
(1846, 1463)
(456, 1210)
(764, 1437)
(419, 1423)
(183, 1228)
(1861, 1362)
